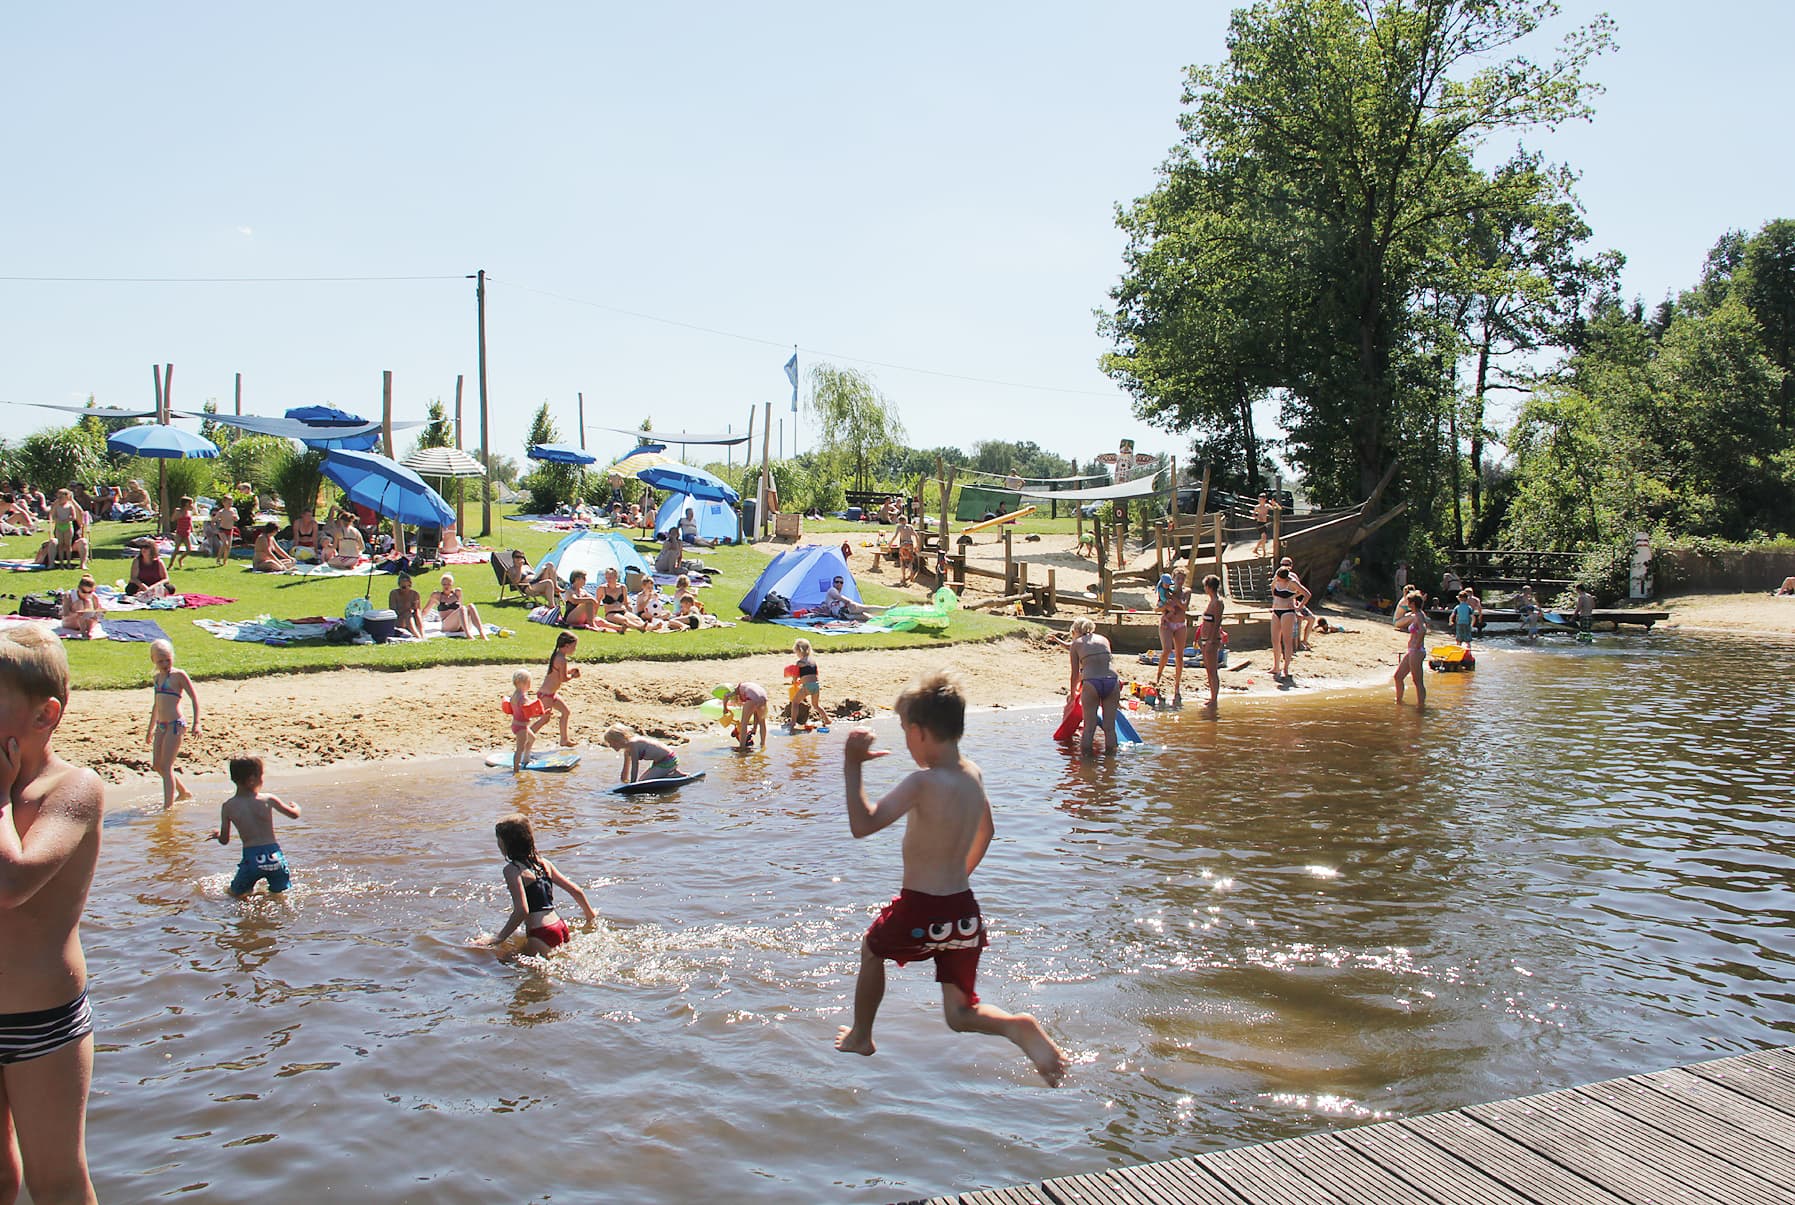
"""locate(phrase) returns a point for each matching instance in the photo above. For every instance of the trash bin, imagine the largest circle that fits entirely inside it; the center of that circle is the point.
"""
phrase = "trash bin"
(749, 531)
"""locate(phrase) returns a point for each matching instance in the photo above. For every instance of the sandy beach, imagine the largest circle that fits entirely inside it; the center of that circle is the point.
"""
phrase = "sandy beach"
(1740, 614)
(355, 716)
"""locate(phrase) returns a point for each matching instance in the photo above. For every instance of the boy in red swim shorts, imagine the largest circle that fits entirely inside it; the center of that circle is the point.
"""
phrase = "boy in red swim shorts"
(935, 916)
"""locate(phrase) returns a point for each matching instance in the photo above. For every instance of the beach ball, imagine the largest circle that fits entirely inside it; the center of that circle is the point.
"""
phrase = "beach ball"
(711, 709)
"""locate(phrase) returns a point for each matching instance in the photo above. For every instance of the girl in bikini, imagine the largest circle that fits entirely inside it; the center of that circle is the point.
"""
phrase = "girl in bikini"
(558, 674)
(166, 726)
(183, 530)
(613, 596)
(1094, 684)
(63, 524)
(1411, 617)
(530, 880)
(456, 615)
(1174, 614)
(579, 609)
(1209, 635)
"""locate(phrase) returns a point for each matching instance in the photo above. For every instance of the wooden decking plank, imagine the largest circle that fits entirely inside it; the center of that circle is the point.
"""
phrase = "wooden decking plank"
(1515, 1164)
(1026, 1194)
(1627, 1156)
(1764, 1085)
(1682, 1120)
(1766, 1121)
(1258, 1174)
(1781, 1057)
(1344, 1174)
(1181, 1180)
(1092, 1188)
(1436, 1171)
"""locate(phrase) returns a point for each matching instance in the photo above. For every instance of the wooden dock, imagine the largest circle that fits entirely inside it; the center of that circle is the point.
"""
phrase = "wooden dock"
(1716, 1133)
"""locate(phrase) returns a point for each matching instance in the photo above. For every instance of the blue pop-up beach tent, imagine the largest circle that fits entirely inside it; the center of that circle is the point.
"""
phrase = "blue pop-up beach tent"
(716, 519)
(803, 575)
(595, 551)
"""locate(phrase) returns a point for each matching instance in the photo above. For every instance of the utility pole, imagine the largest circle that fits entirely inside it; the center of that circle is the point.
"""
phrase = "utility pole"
(582, 398)
(239, 395)
(386, 444)
(485, 448)
(760, 511)
(461, 486)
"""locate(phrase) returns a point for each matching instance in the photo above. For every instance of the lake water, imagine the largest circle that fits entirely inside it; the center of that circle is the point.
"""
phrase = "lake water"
(1576, 864)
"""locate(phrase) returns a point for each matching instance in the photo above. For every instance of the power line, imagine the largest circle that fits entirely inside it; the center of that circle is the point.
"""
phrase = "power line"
(814, 351)
(210, 280)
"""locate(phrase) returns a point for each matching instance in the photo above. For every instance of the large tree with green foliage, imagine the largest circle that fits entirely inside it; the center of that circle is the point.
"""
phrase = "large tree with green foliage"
(1325, 165)
(856, 424)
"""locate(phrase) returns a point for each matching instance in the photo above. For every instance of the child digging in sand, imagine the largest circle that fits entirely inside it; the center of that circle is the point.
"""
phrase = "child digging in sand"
(253, 814)
(639, 751)
(935, 915)
(751, 697)
(49, 842)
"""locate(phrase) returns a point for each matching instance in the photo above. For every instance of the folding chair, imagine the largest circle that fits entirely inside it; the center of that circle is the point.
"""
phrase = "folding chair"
(501, 569)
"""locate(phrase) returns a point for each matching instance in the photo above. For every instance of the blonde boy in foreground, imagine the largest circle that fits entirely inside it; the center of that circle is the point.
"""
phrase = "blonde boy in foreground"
(935, 915)
(49, 843)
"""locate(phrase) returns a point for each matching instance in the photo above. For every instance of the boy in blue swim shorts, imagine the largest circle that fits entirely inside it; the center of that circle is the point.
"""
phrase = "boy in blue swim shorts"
(253, 814)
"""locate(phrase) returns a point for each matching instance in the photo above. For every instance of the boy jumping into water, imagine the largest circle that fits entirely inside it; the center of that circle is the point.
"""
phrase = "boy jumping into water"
(935, 915)
(253, 814)
(49, 843)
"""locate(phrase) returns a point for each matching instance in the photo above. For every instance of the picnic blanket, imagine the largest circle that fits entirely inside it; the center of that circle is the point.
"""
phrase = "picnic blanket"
(833, 627)
(364, 569)
(470, 554)
(125, 631)
(20, 566)
(265, 629)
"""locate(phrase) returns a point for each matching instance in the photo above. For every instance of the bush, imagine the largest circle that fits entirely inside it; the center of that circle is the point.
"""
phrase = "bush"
(193, 478)
(297, 480)
(257, 459)
(52, 459)
(549, 485)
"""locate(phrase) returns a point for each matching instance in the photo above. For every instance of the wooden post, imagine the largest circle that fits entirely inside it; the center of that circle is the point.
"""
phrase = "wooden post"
(386, 446)
(1121, 531)
(760, 510)
(1277, 542)
(239, 395)
(460, 486)
(748, 448)
(1009, 563)
(582, 402)
(1049, 605)
(958, 561)
(1218, 552)
(947, 491)
(1021, 586)
(1202, 509)
(1078, 518)
(1159, 547)
(485, 430)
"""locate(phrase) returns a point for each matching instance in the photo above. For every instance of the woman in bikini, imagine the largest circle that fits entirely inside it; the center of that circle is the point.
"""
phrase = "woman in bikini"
(1174, 616)
(81, 609)
(456, 615)
(269, 556)
(558, 674)
(1094, 684)
(1411, 617)
(1209, 635)
(1287, 594)
(530, 880)
(613, 596)
(66, 528)
(307, 534)
(579, 609)
(166, 726)
(346, 547)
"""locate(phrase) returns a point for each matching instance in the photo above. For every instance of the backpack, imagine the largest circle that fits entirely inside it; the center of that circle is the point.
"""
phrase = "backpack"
(42, 606)
(774, 606)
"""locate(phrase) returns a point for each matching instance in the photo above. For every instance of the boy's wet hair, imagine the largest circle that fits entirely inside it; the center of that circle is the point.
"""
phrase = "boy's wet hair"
(618, 732)
(34, 663)
(515, 838)
(246, 771)
(936, 704)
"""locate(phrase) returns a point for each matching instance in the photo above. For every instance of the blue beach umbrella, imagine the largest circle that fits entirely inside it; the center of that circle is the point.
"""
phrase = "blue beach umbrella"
(387, 488)
(558, 454)
(694, 483)
(160, 442)
(357, 434)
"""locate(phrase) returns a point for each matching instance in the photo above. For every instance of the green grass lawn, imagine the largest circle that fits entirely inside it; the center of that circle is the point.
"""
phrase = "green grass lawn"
(102, 664)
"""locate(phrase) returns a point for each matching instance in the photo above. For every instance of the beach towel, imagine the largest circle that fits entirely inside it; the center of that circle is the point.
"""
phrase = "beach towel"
(470, 554)
(21, 566)
(833, 627)
(264, 629)
(198, 600)
(364, 569)
(133, 631)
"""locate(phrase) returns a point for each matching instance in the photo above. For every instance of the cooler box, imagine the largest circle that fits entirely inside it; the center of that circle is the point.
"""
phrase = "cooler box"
(380, 624)
(788, 525)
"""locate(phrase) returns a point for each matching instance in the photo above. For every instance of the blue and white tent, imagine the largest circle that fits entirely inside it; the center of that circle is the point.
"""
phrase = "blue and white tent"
(595, 551)
(803, 575)
(716, 520)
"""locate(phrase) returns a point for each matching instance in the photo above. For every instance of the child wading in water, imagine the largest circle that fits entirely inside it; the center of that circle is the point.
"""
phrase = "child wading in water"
(253, 814)
(166, 726)
(935, 915)
(49, 842)
(531, 879)
(521, 711)
(637, 750)
(558, 674)
(1411, 617)
(807, 704)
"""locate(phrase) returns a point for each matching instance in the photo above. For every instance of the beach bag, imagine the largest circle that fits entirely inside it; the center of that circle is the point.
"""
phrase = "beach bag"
(774, 606)
(42, 606)
(355, 612)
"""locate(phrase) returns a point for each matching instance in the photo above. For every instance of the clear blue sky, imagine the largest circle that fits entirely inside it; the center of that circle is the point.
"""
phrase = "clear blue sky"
(930, 187)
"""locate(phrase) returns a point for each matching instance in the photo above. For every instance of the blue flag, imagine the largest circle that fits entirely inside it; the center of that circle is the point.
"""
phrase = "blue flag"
(791, 372)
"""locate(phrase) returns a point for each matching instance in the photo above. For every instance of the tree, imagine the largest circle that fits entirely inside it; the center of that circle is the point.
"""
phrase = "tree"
(438, 431)
(219, 434)
(548, 484)
(853, 419)
(1324, 164)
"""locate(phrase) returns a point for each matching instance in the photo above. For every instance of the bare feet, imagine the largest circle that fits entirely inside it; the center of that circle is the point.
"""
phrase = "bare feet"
(849, 1042)
(1048, 1059)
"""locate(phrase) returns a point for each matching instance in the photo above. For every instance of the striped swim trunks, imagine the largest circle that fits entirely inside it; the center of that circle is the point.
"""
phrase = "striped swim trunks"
(32, 1035)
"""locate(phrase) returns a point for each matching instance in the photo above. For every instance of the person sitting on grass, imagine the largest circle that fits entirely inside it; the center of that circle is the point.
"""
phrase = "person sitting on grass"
(16, 518)
(448, 543)
(407, 607)
(682, 590)
(149, 575)
(579, 608)
(455, 614)
(81, 609)
(840, 606)
(613, 596)
(688, 531)
(269, 556)
(308, 537)
(346, 545)
(651, 607)
(672, 554)
(644, 757)
(541, 583)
